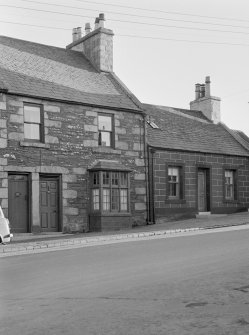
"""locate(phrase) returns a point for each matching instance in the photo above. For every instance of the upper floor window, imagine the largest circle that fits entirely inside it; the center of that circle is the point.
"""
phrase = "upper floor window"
(33, 122)
(230, 176)
(105, 128)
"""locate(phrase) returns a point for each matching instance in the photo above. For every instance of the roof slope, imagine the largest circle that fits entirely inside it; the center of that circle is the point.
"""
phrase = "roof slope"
(34, 69)
(189, 132)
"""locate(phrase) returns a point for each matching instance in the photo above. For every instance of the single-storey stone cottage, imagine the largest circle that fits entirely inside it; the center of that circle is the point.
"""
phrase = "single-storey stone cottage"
(71, 137)
(197, 165)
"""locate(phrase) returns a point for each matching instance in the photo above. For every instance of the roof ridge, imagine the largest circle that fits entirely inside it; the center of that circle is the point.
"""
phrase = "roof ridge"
(31, 42)
(173, 110)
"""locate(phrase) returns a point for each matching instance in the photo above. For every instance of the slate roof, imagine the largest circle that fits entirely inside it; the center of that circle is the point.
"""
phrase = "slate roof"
(33, 69)
(190, 131)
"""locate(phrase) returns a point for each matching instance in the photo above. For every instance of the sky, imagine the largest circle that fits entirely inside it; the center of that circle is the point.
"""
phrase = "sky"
(162, 48)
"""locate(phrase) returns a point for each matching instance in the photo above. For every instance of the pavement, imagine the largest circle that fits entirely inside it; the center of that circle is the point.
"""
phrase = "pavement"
(43, 242)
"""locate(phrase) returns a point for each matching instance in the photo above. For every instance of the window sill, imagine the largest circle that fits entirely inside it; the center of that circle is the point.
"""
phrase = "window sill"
(231, 201)
(106, 150)
(34, 144)
(175, 201)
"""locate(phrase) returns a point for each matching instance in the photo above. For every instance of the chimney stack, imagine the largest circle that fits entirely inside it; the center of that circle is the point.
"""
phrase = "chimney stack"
(204, 102)
(96, 45)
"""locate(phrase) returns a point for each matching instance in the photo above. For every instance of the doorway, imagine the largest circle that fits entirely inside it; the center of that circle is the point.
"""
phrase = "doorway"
(49, 203)
(203, 192)
(18, 198)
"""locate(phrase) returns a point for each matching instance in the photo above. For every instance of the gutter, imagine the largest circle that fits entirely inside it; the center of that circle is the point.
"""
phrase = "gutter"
(3, 90)
(76, 103)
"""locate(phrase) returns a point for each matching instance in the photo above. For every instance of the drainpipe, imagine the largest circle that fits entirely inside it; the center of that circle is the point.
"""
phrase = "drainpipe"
(146, 167)
(150, 153)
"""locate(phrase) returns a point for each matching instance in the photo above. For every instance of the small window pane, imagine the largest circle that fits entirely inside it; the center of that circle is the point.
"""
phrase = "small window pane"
(123, 200)
(106, 178)
(123, 179)
(32, 131)
(105, 139)
(32, 114)
(105, 122)
(96, 199)
(174, 172)
(115, 199)
(115, 178)
(96, 178)
(106, 200)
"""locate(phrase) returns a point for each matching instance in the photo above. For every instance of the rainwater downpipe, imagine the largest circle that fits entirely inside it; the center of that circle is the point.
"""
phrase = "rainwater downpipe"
(150, 152)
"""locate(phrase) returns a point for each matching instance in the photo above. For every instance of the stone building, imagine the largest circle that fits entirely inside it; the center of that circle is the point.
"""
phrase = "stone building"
(71, 137)
(197, 165)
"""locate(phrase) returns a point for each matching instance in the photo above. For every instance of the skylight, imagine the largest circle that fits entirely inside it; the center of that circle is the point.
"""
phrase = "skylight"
(152, 124)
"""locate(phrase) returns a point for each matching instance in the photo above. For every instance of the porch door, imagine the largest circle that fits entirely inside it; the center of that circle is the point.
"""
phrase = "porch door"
(49, 204)
(202, 190)
(18, 211)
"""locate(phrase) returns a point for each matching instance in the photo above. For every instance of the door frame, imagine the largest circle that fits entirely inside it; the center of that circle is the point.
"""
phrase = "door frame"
(57, 177)
(11, 173)
(208, 173)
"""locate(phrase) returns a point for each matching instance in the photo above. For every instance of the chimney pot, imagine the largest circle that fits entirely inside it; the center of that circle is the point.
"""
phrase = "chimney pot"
(96, 23)
(75, 34)
(79, 34)
(101, 20)
(202, 91)
(87, 28)
(197, 91)
(207, 86)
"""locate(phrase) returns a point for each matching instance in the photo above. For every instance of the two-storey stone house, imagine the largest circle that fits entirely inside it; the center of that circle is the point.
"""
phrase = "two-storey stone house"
(197, 165)
(71, 137)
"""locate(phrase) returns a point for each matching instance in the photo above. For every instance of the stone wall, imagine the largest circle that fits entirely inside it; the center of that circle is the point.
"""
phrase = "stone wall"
(70, 148)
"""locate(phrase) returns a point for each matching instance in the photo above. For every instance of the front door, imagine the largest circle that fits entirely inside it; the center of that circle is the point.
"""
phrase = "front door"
(18, 211)
(203, 190)
(49, 204)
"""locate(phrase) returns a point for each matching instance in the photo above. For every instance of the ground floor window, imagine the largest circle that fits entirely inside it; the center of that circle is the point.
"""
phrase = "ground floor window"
(110, 191)
(174, 182)
(230, 184)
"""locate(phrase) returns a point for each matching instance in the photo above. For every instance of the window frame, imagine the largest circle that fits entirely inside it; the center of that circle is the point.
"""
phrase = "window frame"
(41, 123)
(111, 132)
(234, 171)
(111, 188)
(181, 197)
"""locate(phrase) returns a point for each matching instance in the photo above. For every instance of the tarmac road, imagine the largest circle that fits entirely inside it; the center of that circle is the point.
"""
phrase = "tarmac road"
(184, 285)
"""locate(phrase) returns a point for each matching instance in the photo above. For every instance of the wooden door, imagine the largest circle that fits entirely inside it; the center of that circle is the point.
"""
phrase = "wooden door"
(49, 204)
(18, 212)
(202, 190)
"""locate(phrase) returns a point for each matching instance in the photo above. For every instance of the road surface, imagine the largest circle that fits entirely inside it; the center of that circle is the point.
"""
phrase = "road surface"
(182, 285)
